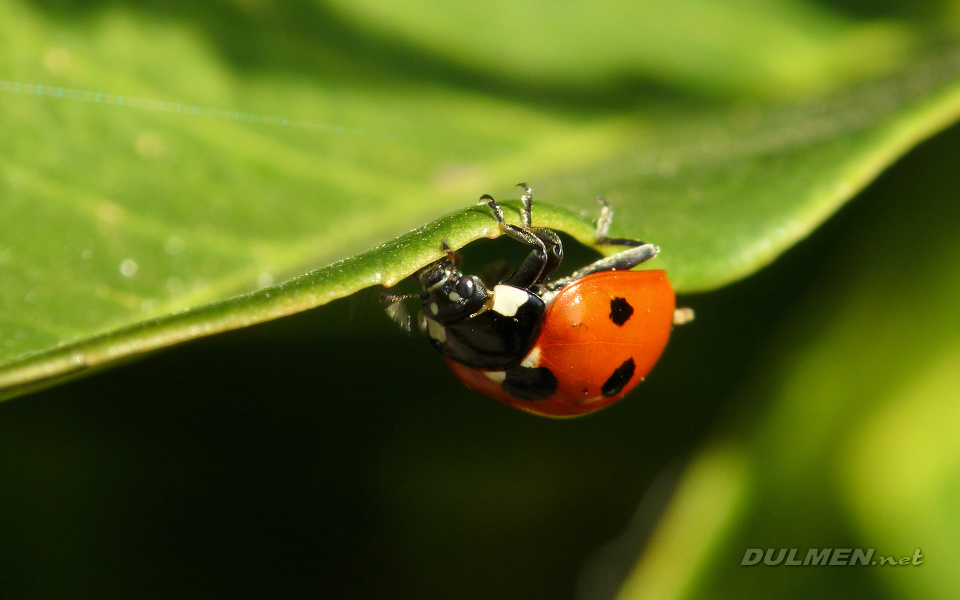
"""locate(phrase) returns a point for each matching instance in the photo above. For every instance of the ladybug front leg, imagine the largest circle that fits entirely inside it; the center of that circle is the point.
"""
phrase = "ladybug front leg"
(547, 249)
(549, 238)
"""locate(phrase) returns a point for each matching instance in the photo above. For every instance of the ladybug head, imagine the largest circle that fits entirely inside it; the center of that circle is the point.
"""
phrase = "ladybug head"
(448, 295)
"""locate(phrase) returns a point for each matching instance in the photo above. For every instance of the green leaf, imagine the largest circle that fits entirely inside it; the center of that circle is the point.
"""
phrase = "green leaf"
(126, 229)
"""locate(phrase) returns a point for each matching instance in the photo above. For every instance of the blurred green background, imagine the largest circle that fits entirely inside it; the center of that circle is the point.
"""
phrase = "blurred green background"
(813, 404)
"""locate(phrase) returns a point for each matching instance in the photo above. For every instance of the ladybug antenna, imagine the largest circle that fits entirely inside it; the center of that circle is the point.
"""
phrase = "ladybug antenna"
(452, 256)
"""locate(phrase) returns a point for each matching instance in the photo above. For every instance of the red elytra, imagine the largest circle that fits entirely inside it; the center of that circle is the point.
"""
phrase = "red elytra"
(601, 336)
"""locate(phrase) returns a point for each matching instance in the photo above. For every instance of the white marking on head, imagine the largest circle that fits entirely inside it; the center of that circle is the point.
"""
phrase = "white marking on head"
(434, 309)
(497, 376)
(454, 297)
(507, 299)
(532, 360)
(436, 331)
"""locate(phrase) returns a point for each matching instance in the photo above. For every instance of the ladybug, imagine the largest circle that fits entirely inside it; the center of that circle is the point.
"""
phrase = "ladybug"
(555, 348)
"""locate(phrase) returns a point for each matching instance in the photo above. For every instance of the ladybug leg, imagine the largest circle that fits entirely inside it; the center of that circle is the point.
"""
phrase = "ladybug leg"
(527, 200)
(622, 261)
(636, 252)
(396, 309)
(603, 228)
(538, 267)
(550, 239)
(554, 252)
(605, 218)
(542, 260)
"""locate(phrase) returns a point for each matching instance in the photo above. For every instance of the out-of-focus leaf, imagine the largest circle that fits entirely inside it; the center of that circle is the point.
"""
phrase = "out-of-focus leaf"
(848, 438)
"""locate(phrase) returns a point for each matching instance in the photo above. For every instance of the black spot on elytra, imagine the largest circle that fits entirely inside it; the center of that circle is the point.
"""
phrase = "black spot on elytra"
(621, 376)
(620, 311)
(529, 384)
